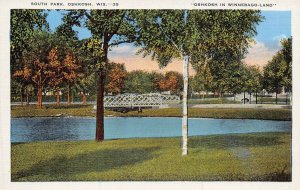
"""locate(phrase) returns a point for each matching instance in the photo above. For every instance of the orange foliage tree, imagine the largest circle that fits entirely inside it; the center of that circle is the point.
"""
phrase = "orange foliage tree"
(115, 78)
(24, 77)
(70, 72)
(55, 73)
(172, 81)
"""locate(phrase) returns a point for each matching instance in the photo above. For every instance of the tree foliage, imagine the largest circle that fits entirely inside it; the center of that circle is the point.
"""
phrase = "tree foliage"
(115, 78)
(23, 23)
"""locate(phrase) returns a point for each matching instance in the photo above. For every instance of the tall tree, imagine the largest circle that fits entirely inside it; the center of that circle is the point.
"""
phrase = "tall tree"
(287, 56)
(274, 74)
(70, 72)
(36, 61)
(253, 79)
(55, 73)
(112, 27)
(195, 36)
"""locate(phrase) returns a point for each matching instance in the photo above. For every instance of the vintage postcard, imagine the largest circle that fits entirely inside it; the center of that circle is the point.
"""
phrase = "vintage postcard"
(149, 94)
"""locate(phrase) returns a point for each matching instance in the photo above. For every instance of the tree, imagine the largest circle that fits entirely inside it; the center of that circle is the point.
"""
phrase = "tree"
(278, 71)
(195, 36)
(36, 62)
(70, 72)
(287, 56)
(140, 82)
(23, 23)
(203, 79)
(274, 74)
(112, 27)
(23, 77)
(115, 78)
(55, 73)
(234, 77)
(252, 80)
(171, 81)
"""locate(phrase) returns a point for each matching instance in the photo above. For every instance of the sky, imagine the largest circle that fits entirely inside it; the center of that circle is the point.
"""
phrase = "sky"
(275, 26)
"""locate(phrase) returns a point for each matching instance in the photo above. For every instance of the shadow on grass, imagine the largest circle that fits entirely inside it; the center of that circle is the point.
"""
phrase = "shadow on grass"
(62, 167)
(236, 141)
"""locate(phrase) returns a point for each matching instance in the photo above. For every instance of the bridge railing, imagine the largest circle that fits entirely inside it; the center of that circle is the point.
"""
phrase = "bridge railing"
(139, 100)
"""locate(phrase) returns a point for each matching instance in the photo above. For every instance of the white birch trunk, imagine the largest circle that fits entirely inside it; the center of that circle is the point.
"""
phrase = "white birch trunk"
(184, 106)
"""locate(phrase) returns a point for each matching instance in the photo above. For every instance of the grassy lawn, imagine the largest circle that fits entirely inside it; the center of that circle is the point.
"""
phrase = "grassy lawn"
(257, 156)
(212, 101)
(78, 110)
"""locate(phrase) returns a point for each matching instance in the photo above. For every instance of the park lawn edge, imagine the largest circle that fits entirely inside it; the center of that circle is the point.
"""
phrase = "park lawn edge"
(217, 113)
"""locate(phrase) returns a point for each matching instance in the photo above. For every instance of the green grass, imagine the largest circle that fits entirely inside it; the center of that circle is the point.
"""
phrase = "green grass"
(239, 157)
(212, 101)
(264, 100)
(232, 113)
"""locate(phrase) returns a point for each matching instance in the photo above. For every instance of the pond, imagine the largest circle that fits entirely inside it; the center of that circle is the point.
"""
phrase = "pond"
(83, 128)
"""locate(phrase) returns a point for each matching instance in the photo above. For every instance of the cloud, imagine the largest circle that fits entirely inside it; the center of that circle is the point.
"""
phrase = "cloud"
(259, 54)
(146, 64)
(279, 37)
(126, 53)
(275, 42)
(123, 50)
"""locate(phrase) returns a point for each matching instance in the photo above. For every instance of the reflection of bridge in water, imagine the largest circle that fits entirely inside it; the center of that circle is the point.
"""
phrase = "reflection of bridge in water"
(139, 100)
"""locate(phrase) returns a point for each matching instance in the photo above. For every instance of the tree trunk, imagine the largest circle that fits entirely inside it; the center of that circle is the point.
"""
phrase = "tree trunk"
(244, 97)
(27, 99)
(184, 106)
(250, 97)
(40, 97)
(83, 99)
(100, 94)
(100, 106)
(234, 98)
(68, 95)
(57, 98)
(256, 97)
(21, 99)
(276, 97)
(286, 98)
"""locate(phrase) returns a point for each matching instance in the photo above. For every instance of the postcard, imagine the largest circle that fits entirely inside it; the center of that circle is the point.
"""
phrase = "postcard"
(149, 94)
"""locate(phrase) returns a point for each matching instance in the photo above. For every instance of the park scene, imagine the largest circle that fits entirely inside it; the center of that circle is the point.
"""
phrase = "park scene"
(151, 95)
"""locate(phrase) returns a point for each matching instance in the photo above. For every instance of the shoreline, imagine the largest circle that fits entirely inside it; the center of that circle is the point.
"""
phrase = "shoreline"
(283, 114)
(94, 117)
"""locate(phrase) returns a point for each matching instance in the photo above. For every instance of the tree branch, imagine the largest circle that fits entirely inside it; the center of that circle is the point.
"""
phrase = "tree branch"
(118, 43)
(117, 28)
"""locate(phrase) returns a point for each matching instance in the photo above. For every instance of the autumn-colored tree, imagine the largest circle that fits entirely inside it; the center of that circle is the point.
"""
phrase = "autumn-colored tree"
(70, 71)
(172, 81)
(23, 79)
(55, 73)
(35, 62)
(161, 83)
(115, 78)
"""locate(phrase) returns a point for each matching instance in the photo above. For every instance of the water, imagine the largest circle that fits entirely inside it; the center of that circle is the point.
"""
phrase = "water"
(83, 128)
